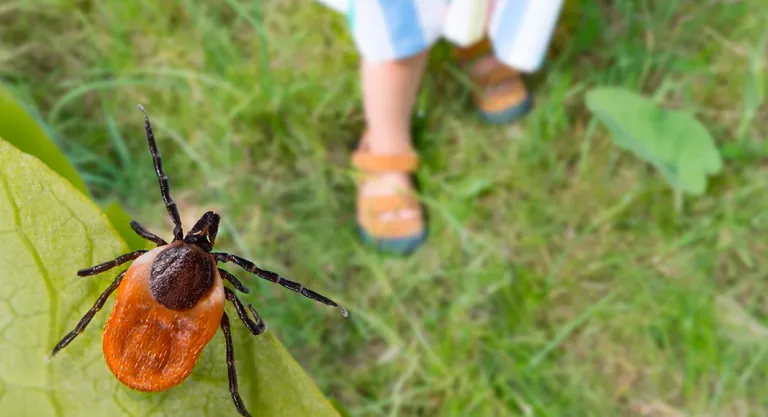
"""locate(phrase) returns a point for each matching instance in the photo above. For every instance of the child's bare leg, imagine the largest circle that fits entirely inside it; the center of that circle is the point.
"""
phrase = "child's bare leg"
(389, 94)
(501, 95)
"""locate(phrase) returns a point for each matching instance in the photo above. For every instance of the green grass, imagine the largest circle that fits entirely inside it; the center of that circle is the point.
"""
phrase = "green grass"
(558, 279)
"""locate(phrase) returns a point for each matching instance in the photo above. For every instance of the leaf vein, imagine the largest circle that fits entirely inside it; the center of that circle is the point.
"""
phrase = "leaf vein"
(52, 297)
(89, 240)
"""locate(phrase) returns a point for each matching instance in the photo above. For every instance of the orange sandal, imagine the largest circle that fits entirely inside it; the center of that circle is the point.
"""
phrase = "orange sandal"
(400, 235)
(502, 96)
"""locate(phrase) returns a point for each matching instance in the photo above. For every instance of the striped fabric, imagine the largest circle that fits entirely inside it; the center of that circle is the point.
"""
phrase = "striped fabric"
(520, 30)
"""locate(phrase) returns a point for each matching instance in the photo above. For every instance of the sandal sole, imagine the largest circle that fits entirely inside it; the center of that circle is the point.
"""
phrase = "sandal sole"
(510, 114)
(401, 246)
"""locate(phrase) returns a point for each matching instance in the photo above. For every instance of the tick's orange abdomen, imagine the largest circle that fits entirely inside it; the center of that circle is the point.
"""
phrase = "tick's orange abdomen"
(149, 347)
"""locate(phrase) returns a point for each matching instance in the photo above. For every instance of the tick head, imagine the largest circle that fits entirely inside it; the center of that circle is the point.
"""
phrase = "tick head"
(203, 234)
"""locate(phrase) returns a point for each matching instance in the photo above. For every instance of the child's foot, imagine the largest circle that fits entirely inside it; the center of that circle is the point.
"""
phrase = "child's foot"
(501, 95)
(389, 215)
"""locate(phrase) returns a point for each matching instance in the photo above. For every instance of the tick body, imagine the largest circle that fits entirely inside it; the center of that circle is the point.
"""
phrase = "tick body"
(171, 300)
(152, 339)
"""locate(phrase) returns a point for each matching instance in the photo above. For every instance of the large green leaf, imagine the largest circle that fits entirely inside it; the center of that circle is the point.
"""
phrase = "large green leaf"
(673, 141)
(21, 130)
(122, 223)
(18, 128)
(50, 230)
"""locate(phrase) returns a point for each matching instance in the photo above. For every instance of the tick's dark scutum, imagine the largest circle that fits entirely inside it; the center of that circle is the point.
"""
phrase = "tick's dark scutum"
(181, 276)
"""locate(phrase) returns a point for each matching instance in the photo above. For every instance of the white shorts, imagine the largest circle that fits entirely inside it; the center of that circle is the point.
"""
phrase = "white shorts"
(519, 30)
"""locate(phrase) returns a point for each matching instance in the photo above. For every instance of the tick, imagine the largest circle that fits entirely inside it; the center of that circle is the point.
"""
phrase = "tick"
(170, 301)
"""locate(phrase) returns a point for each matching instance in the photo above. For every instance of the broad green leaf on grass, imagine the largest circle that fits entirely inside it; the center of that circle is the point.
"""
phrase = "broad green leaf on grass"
(18, 128)
(50, 230)
(678, 145)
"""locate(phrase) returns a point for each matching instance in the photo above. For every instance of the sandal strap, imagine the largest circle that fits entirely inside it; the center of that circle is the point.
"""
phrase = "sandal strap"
(375, 205)
(370, 209)
(474, 51)
(499, 74)
(372, 163)
(392, 229)
(502, 98)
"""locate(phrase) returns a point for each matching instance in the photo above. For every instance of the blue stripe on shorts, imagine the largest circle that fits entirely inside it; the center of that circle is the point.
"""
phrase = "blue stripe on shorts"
(404, 27)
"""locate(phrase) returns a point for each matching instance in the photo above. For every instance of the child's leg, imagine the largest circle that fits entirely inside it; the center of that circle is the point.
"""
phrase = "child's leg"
(500, 94)
(389, 94)
(519, 31)
(393, 38)
(387, 211)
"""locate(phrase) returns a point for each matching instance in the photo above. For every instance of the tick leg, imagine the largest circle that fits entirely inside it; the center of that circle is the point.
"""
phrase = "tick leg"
(277, 279)
(106, 266)
(231, 368)
(234, 281)
(207, 226)
(170, 205)
(146, 234)
(257, 327)
(89, 315)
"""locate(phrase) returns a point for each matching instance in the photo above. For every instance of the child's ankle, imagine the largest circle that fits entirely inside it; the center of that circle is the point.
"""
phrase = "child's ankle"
(388, 143)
